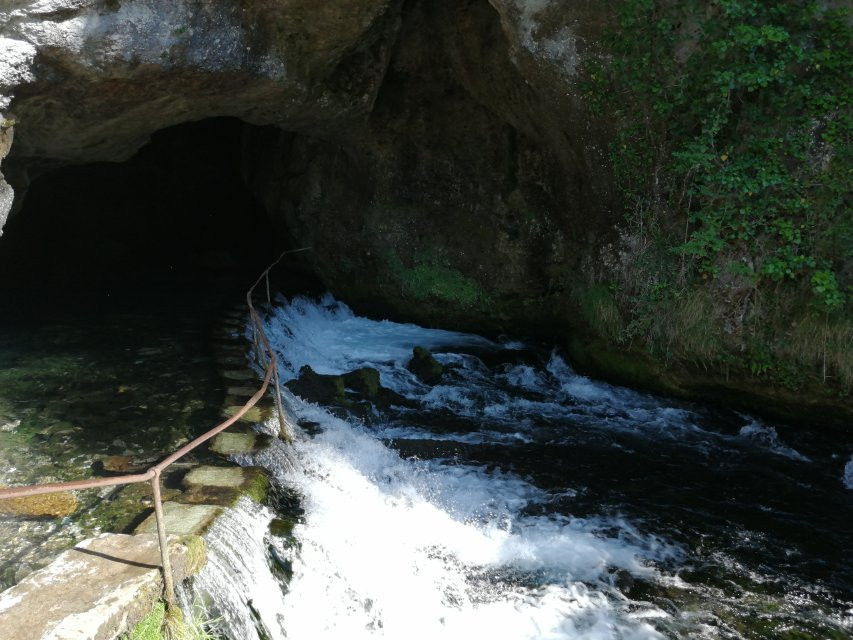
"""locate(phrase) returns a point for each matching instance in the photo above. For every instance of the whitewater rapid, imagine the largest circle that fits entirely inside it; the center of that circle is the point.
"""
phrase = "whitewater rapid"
(398, 545)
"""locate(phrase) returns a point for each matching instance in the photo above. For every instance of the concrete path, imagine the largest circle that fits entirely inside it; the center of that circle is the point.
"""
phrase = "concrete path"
(95, 590)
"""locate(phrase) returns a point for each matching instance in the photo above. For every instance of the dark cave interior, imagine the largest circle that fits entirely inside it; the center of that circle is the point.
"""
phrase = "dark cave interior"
(177, 210)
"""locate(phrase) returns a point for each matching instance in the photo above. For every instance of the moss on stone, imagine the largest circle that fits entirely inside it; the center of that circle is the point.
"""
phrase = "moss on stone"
(626, 367)
(316, 387)
(424, 365)
(150, 627)
(364, 380)
(433, 278)
(258, 487)
(282, 527)
(196, 553)
(428, 281)
(52, 505)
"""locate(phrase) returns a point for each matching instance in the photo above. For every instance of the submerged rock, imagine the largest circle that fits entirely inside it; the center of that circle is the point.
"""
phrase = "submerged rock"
(53, 505)
(122, 464)
(425, 367)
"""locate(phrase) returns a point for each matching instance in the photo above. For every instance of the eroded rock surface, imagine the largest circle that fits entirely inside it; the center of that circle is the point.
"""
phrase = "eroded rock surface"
(92, 79)
(439, 159)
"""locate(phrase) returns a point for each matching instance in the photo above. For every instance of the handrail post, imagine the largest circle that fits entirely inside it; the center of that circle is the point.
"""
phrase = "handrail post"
(267, 278)
(168, 582)
(279, 408)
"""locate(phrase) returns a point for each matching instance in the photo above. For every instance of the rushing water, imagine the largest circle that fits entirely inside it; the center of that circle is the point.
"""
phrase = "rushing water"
(517, 499)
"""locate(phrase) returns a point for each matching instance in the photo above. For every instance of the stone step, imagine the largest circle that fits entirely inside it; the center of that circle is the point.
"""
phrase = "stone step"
(243, 375)
(182, 519)
(232, 360)
(229, 334)
(95, 591)
(261, 412)
(242, 392)
(230, 350)
(224, 486)
(229, 443)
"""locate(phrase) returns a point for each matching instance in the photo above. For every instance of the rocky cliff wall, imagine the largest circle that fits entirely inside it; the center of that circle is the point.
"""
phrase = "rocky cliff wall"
(440, 158)
(436, 155)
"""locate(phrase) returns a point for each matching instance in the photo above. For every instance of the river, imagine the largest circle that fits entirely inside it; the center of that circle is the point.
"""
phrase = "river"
(517, 499)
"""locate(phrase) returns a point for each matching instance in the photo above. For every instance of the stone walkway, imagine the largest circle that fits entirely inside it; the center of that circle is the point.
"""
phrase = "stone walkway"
(104, 585)
(92, 591)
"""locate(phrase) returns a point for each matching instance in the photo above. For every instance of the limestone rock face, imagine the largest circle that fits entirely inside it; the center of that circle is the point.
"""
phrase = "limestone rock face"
(475, 186)
(92, 79)
(437, 156)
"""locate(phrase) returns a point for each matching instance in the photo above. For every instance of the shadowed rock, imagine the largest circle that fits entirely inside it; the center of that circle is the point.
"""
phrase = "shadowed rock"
(316, 387)
(425, 367)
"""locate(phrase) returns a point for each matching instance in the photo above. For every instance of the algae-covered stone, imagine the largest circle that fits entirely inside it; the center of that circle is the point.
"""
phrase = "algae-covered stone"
(230, 443)
(425, 367)
(242, 392)
(364, 380)
(214, 476)
(282, 527)
(53, 505)
(239, 374)
(182, 519)
(254, 414)
(224, 485)
(316, 387)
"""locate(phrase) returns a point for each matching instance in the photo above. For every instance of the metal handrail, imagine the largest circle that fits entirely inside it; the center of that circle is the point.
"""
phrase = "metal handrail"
(263, 351)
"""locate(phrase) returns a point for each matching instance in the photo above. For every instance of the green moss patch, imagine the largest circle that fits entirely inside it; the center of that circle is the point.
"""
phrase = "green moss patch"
(433, 278)
(150, 627)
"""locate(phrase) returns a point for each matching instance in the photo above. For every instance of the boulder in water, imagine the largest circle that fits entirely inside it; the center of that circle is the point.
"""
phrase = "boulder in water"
(316, 387)
(364, 380)
(425, 367)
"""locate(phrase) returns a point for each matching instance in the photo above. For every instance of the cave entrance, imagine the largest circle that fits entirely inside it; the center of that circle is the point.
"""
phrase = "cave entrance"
(177, 212)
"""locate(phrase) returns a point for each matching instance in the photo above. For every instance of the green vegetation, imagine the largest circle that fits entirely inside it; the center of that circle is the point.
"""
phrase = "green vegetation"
(151, 626)
(196, 553)
(433, 278)
(258, 488)
(160, 624)
(732, 156)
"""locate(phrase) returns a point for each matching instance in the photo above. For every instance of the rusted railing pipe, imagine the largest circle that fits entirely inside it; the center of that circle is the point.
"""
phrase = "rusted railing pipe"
(263, 351)
(96, 483)
(165, 561)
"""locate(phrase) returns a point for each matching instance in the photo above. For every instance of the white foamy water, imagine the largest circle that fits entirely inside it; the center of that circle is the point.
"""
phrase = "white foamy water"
(332, 340)
(767, 437)
(407, 548)
(395, 548)
(236, 585)
(848, 474)
(328, 337)
(398, 547)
